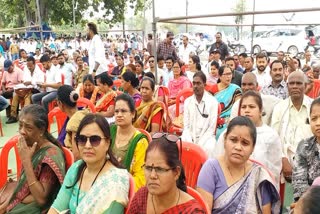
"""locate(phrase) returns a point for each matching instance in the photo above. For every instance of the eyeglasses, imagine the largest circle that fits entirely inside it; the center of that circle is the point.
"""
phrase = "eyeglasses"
(157, 169)
(171, 138)
(94, 140)
(122, 111)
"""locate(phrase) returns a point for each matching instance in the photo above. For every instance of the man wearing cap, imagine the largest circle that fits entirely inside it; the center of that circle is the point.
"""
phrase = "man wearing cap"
(219, 44)
(185, 49)
(166, 48)
(11, 77)
(97, 61)
(52, 83)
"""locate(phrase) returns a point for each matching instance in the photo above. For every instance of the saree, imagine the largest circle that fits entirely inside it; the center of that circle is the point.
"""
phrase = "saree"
(108, 194)
(132, 155)
(145, 113)
(93, 97)
(245, 195)
(139, 205)
(104, 102)
(51, 156)
(226, 97)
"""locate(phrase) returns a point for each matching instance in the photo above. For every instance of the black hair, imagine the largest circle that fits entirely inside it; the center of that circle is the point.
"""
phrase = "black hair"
(215, 63)
(88, 77)
(170, 151)
(221, 69)
(276, 61)
(180, 65)
(196, 60)
(67, 95)
(40, 120)
(31, 59)
(261, 55)
(140, 63)
(146, 78)
(243, 121)
(159, 58)
(201, 75)
(45, 58)
(129, 76)
(137, 58)
(230, 58)
(314, 102)
(61, 54)
(310, 200)
(244, 55)
(299, 62)
(256, 96)
(119, 55)
(150, 75)
(92, 26)
(105, 79)
(170, 58)
(169, 34)
(105, 128)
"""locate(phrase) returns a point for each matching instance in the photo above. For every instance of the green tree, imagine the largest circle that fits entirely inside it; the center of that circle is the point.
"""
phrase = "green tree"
(17, 13)
(240, 7)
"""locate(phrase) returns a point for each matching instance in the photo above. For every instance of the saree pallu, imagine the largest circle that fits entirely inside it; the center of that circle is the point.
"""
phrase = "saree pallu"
(226, 97)
(104, 102)
(145, 113)
(245, 196)
(95, 95)
(54, 158)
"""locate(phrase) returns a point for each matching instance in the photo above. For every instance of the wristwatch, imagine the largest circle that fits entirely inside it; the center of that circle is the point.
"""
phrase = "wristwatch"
(94, 70)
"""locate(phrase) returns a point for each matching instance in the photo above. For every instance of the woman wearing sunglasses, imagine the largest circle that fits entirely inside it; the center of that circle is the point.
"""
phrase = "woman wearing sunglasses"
(95, 184)
(234, 184)
(149, 112)
(165, 191)
(128, 144)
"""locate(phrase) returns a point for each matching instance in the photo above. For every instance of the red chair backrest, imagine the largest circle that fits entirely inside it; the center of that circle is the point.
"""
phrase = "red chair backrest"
(84, 102)
(196, 195)
(4, 157)
(62, 79)
(193, 158)
(146, 134)
(60, 118)
(69, 157)
(185, 93)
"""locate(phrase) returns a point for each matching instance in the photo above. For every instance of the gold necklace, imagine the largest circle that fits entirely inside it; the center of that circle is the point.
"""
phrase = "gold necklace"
(154, 208)
(244, 171)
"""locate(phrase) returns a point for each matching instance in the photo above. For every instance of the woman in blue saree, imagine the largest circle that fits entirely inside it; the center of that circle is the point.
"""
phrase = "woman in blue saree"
(238, 185)
(227, 94)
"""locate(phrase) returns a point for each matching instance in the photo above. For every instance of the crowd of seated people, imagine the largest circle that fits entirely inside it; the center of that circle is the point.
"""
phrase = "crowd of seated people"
(259, 128)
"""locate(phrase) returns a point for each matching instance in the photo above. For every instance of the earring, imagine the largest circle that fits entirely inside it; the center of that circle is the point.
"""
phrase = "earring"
(108, 156)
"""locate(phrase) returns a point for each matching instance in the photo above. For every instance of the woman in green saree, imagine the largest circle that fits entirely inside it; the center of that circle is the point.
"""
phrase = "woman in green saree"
(43, 165)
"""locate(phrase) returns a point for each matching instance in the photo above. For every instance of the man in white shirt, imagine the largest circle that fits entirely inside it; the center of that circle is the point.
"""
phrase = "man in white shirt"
(97, 61)
(168, 73)
(152, 68)
(38, 55)
(262, 72)
(290, 119)
(32, 75)
(185, 49)
(51, 85)
(66, 69)
(200, 116)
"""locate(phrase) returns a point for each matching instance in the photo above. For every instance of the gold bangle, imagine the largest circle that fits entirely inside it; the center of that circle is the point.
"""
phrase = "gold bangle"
(32, 183)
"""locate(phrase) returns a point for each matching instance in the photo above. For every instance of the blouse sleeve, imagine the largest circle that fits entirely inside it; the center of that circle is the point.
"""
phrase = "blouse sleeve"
(156, 118)
(136, 169)
(61, 203)
(206, 179)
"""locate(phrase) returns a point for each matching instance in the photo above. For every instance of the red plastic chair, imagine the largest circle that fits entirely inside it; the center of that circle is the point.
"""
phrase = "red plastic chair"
(193, 158)
(84, 102)
(196, 195)
(69, 157)
(146, 134)
(131, 193)
(4, 156)
(185, 93)
(60, 118)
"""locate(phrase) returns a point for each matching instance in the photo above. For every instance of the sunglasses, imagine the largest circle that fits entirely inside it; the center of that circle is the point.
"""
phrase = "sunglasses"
(171, 138)
(94, 140)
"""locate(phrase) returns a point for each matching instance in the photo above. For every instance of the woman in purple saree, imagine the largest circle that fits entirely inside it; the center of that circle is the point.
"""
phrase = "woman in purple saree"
(236, 184)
